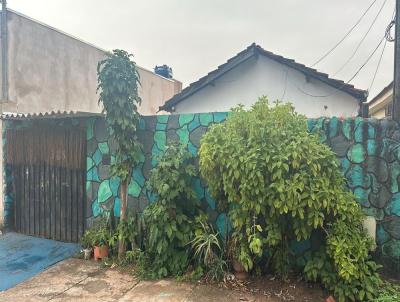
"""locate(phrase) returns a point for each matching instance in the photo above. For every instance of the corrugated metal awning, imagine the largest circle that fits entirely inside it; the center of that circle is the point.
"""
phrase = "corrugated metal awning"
(47, 115)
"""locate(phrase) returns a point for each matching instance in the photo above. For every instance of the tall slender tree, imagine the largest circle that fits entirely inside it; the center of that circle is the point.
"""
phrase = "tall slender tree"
(118, 82)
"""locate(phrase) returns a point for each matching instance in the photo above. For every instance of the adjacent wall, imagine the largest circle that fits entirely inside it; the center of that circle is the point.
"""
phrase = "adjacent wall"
(155, 133)
(51, 70)
(368, 151)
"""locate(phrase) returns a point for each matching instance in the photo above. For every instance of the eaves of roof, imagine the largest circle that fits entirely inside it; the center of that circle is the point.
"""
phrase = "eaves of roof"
(381, 93)
(47, 115)
(254, 50)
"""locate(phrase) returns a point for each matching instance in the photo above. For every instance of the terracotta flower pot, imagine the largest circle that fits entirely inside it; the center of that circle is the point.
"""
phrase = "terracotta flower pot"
(330, 299)
(241, 275)
(100, 252)
(237, 266)
(240, 271)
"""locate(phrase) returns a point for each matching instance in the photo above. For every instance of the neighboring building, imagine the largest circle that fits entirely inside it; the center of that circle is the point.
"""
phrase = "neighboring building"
(255, 72)
(381, 105)
(47, 70)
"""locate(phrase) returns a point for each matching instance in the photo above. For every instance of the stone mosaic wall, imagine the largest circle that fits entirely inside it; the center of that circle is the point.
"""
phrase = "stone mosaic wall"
(155, 133)
(368, 151)
(369, 154)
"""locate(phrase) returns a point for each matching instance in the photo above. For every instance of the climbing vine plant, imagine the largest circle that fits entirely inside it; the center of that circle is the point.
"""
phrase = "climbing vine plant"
(282, 185)
(118, 82)
(170, 218)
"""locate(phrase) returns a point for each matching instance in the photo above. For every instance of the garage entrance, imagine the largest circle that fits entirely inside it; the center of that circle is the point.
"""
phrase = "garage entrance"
(48, 167)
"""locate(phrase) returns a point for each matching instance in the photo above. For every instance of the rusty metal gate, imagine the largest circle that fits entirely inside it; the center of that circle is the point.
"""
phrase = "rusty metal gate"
(48, 169)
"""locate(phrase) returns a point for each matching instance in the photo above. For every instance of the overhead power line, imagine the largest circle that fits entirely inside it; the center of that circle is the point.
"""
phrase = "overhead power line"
(388, 31)
(345, 36)
(351, 79)
(362, 40)
(366, 61)
(377, 66)
(388, 38)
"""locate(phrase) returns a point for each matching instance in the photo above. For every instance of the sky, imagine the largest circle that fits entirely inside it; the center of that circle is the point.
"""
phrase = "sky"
(195, 36)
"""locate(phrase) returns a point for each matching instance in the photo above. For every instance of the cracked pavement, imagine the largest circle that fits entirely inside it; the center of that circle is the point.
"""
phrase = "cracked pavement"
(80, 280)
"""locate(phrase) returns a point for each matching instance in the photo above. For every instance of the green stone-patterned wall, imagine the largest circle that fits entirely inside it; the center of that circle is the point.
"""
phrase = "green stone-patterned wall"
(155, 133)
(368, 151)
(369, 154)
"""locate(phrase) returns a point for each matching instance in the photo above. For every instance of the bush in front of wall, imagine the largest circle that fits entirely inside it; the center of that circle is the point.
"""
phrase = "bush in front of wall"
(208, 250)
(87, 239)
(118, 86)
(98, 237)
(281, 185)
(98, 234)
(130, 231)
(388, 293)
(87, 244)
(169, 220)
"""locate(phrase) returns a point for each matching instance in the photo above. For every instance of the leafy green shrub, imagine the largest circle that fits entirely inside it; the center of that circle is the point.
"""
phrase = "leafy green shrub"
(282, 184)
(192, 276)
(388, 293)
(206, 243)
(118, 85)
(100, 233)
(208, 250)
(130, 231)
(87, 239)
(388, 297)
(169, 219)
(101, 236)
(132, 257)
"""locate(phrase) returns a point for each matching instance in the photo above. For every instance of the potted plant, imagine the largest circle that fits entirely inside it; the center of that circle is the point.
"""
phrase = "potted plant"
(100, 243)
(208, 249)
(87, 243)
(240, 272)
(234, 252)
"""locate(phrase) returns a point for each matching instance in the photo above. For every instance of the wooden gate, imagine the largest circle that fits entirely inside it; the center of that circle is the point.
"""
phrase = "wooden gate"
(48, 169)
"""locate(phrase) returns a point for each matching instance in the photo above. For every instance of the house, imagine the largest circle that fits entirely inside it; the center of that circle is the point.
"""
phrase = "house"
(48, 70)
(255, 72)
(45, 70)
(381, 105)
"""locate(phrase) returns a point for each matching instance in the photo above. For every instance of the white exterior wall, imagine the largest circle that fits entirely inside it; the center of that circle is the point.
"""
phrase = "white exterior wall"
(377, 107)
(263, 76)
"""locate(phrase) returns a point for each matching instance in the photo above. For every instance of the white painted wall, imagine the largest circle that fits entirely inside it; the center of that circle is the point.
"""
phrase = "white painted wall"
(263, 76)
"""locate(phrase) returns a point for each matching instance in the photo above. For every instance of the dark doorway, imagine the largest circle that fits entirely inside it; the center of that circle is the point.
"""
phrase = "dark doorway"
(48, 169)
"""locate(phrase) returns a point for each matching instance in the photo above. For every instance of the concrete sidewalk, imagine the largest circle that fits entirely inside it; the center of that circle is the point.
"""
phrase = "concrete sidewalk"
(79, 280)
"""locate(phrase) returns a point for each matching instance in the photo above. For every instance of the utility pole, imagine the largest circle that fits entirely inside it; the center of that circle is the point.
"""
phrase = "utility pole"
(396, 81)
